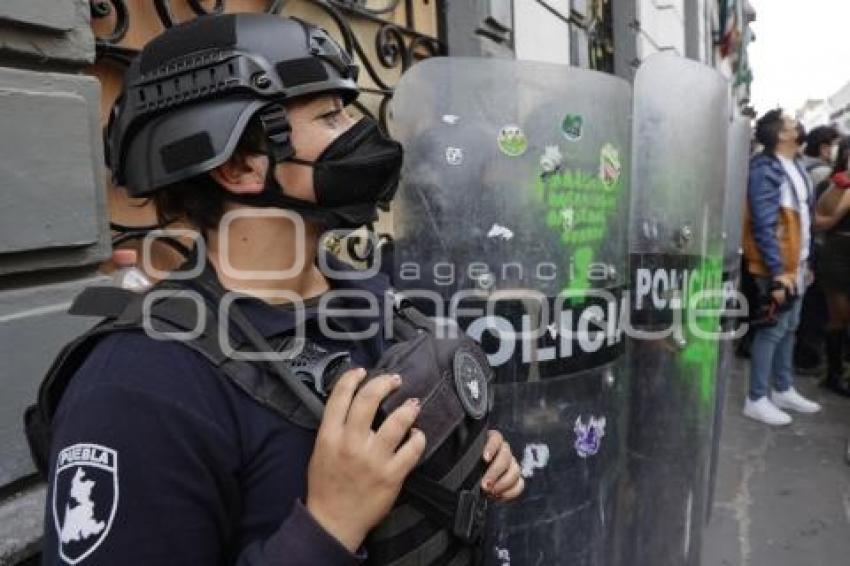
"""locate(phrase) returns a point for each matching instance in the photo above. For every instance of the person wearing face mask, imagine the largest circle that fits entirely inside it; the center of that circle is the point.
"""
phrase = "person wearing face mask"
(167, 450)
(832, 221)
(776, 244)
(819, 155)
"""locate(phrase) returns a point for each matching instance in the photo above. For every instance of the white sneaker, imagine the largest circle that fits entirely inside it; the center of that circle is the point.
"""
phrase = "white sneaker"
(765, 411)
(792, 400)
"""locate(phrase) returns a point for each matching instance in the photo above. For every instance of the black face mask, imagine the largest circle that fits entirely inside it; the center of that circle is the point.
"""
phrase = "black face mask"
(360, 166)
(353, 176)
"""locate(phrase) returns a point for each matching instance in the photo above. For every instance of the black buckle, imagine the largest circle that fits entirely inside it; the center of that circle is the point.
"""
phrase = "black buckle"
(278, 131)
(470, 515)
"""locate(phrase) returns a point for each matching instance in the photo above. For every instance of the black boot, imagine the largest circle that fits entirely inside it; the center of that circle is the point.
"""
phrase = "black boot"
(835, 381)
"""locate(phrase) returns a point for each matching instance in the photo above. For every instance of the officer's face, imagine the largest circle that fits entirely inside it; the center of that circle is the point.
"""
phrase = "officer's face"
(316, 123)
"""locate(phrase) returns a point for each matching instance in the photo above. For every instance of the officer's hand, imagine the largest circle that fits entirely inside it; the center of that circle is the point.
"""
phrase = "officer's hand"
(502, 480)
(355, 473)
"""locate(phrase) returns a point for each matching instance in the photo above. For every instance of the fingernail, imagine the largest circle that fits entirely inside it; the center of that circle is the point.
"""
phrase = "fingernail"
(487, 456)
(360, 372)
(413, 402)
(396, 379)
(487, 484)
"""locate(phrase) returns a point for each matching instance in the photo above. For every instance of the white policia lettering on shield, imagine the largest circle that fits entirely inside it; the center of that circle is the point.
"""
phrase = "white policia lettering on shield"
(79, 523)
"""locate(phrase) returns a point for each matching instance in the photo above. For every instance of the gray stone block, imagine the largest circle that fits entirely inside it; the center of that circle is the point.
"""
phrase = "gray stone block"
(50, 194)
(56, 15)
(21, 524)
(52, 206)
(34, 326)
(46, 30)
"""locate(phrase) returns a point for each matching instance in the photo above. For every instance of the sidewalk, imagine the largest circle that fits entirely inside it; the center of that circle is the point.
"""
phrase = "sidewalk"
(783, 495)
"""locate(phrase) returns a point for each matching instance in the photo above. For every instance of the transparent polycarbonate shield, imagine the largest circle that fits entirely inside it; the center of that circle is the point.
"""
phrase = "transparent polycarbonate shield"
(680, 136)
(737, 167)
(513, 212)
(512, 164)
(737, 160)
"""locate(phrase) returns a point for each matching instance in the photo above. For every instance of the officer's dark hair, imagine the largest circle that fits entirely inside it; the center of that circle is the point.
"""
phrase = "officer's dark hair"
(822, 135)
(200, 200)
(768, 128)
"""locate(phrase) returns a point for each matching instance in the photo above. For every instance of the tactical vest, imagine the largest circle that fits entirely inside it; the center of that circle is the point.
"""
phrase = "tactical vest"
(440, 514)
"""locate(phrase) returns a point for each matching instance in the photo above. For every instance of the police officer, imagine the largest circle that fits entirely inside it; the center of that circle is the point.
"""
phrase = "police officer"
(155, 458)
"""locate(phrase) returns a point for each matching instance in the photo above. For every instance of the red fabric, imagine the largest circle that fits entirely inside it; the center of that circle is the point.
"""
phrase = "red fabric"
(842, 180)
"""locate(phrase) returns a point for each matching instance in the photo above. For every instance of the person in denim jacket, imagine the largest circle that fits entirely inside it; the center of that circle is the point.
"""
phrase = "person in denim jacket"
(777, 242)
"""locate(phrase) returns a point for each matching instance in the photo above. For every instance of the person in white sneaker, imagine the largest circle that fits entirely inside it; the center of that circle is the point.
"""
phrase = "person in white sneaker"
(777, 239)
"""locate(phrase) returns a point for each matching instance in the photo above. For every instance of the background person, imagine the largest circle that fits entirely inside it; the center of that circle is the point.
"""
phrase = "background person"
(776, 247)
(820, 153)
(833, 220)
(819, 157)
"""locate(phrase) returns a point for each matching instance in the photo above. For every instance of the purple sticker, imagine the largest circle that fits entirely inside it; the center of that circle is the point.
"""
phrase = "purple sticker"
(589, 436)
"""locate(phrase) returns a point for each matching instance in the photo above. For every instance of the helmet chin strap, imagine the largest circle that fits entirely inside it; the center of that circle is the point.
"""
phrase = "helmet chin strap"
(278, 132)
(273, 195)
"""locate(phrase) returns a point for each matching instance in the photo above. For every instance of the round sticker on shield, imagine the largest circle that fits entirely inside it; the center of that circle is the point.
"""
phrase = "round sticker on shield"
(572, 127)
(512, 141)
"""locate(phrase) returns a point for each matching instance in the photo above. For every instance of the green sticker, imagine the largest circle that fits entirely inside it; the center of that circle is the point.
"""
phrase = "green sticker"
(572, 127)
(512, 141)
(609, 165)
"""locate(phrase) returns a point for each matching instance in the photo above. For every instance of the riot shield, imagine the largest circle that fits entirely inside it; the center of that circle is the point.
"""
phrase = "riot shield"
(679, 156)
(737, 160)
(511, 220)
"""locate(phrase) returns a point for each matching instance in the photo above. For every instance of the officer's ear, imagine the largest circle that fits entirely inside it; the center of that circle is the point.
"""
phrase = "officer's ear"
(243, 174)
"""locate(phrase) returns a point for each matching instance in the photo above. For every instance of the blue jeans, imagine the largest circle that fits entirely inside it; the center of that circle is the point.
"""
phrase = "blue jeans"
(772, 353)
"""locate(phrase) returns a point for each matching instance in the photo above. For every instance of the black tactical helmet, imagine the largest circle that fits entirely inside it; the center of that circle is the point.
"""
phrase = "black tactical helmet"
(192, 90)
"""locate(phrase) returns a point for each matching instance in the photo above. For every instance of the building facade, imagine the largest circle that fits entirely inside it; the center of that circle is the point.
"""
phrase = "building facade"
(608, 36)
(831, 111)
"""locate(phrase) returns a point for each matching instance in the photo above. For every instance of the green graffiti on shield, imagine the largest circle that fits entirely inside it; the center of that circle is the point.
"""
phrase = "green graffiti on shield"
(700, 355)
(578, 207)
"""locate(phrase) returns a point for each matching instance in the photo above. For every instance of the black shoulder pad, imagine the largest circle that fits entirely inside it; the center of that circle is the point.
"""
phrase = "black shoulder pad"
(103, 301)
(168, 312)
(38, 418)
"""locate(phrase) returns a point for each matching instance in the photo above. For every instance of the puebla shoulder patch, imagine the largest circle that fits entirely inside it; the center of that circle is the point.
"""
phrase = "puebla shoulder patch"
(85, 498)
(471, 384)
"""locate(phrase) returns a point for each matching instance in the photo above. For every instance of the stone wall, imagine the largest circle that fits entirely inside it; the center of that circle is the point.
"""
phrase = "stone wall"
(53, 227)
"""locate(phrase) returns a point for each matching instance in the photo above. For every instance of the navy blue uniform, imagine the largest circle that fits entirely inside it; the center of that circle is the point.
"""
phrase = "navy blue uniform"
(158, 459)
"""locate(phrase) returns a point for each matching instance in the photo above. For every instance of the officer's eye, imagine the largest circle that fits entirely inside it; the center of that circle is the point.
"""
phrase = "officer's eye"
(333, 119)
